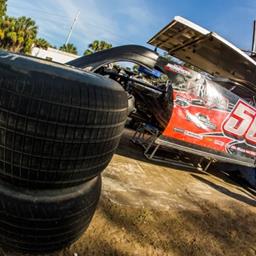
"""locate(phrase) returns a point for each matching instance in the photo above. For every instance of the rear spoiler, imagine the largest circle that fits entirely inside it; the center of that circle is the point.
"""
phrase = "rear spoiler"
(207, 51)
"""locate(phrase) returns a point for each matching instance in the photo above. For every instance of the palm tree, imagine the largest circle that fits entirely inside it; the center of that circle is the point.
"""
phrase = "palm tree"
(3, 6)
(26, 29)
(97, 46)
(69, 48)
(42, 43)
(27, 25)
(17, 35)
(7, 32)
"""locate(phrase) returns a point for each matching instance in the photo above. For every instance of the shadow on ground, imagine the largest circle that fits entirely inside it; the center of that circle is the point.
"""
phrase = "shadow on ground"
(214, 227)
(232, 178)
(209, 231)
(212, 230)
(128, 149)
(239, 197)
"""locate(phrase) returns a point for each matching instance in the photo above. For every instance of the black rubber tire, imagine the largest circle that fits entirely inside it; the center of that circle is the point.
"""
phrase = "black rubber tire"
(59, 126)
(46, 220)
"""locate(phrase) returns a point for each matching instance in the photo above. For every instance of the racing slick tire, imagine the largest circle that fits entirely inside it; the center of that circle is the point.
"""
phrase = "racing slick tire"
(59, 126)
(46, 220)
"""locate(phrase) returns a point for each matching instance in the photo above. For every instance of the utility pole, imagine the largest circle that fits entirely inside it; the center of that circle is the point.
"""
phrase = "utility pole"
(72, 27)
(254, 39)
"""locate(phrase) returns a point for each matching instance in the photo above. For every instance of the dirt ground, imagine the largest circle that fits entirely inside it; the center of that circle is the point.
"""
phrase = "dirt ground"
(152, 209)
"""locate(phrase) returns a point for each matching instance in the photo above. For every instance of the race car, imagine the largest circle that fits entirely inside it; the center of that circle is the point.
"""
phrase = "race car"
(208, 112)
(60, 125)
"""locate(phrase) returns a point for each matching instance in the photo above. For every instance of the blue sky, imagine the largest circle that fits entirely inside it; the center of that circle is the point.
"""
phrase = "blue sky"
(134, 21)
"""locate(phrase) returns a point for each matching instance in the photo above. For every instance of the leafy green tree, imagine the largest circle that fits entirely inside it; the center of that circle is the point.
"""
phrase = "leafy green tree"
(70, 48)
(42, 43)
(17, 35)
(97, 46)
(7, 32)
(3, 6)
(27, 25)
(27, 31)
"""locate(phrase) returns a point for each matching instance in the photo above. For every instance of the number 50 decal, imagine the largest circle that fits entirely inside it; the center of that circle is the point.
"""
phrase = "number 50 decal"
(241, 123)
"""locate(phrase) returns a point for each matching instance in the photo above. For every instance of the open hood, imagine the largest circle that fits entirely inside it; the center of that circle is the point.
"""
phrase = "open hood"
(206, 50)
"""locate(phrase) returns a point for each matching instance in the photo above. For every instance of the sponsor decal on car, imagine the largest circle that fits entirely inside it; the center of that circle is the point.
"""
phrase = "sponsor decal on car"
(211, 117)
(177, 69)
(241, 123)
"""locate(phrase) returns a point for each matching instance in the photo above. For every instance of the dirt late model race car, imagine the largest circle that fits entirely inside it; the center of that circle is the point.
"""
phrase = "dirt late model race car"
(60, 125)
(209, 113)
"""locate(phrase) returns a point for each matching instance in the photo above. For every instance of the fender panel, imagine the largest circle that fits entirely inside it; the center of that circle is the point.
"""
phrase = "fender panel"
(132, 53)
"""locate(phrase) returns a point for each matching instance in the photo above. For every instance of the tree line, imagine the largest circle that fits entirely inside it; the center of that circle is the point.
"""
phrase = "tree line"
(20, 35)
(93, 47)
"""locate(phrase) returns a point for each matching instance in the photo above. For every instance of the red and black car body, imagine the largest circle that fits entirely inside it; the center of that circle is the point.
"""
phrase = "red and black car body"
(211, 112)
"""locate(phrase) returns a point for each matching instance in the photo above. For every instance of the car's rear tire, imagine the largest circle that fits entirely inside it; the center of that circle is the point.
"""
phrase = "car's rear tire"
(59, 126)
(46, 220)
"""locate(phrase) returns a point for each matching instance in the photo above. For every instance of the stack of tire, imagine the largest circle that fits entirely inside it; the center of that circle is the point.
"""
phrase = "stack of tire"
(59, 128)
